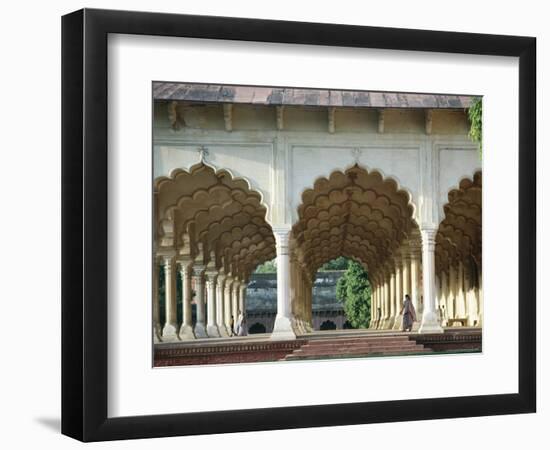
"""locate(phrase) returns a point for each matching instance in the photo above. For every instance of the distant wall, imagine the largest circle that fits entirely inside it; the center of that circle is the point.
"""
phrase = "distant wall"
(261, 300)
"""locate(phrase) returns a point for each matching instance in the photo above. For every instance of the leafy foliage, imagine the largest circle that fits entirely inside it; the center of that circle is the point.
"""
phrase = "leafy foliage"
(475, 114)
(339, 263)
(354, 291)
(267, 267)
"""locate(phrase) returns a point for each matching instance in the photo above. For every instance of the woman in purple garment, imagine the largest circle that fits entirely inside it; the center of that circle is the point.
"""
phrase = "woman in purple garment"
(409, 314)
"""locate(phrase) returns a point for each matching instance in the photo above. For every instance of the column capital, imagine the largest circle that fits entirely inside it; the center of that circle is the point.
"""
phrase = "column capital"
(282, 236)
(428, 237)
(211, 276)
(198, 270)
(185, 264)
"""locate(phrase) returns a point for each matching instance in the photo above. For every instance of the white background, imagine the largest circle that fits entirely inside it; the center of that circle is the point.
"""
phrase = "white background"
(135, 389)
(30, 388)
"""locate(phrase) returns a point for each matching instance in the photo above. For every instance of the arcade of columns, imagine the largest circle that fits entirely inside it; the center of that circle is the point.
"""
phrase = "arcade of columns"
(212, 229)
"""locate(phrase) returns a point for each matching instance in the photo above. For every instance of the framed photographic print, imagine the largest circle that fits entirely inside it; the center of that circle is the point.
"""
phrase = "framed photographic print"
(251, 203)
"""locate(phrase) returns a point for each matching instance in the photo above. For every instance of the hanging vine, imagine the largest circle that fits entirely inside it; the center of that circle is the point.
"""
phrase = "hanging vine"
(475, 113)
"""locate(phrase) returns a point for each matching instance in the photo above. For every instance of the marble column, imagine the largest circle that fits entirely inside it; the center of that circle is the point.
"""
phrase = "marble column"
(471, 301)
(479, 296)
(398, 324)
(310, 304)
(156, 302)
(235, 300)
(220, 305)
(451, 299)
(373, 304)
(211, 311)
(415, 282)
(228, 293)
(406, 263)
(444, 296)
(391, 320)
(460, 297)
(430, 322)
(385, 303)
(200, 326)
(186, 329)
(170, 330)
(283, 321)
(242, 298)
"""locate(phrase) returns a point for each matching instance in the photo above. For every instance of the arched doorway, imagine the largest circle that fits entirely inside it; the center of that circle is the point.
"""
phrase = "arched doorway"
(212, 229)
(257, 328)
(362, 216)
(328, 325)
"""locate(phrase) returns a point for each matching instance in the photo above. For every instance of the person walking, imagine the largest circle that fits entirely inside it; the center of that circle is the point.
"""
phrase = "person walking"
(232, 327)
(409, 314)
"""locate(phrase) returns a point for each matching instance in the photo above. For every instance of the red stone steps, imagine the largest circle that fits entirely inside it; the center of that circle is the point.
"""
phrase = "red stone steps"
(322, 348)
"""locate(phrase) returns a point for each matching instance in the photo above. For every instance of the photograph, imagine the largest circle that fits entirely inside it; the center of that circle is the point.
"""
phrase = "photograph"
(298, 224)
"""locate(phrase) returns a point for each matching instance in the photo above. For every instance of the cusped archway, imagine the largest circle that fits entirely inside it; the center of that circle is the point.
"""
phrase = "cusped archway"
(358, 214)
(211, 226)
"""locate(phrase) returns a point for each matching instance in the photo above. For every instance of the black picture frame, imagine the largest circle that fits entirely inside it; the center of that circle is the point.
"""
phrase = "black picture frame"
(84, 224)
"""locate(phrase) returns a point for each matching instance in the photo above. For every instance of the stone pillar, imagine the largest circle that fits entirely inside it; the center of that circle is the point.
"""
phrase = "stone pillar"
(406, 262)
(430, 322)
(444, 296)
(242, 298)
(170, 330)
(451, 299)
(220, 306)
(479, 295)
(211, 311)
(283, 321)
(309, 305)
(460, 298)
(235, 300)
(156, 302)
(186, 329)
(200, 326)
(471, 300)
(415, 283)
(391, 319)
(227, 304)
(398, 324)
(385, 303)
(373, 304)
(379, 302)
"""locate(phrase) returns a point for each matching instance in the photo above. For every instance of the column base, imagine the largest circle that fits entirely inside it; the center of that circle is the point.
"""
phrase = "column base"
(416, 326)
(200, 331)
(186, 332)
(157, 333)
(398, 324)
(169, 333)
(212, 331)
(282, 330)
(223, 331)
(430, 324)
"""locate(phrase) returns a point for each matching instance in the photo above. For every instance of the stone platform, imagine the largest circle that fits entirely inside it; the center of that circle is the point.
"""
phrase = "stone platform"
(314, 346)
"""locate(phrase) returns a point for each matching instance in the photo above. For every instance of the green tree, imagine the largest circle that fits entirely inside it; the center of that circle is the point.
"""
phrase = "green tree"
(267, 267)
(340, 263)
(353, 290)
(475, 115)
